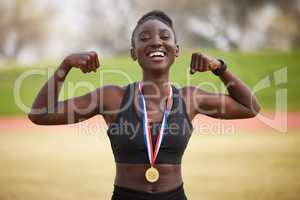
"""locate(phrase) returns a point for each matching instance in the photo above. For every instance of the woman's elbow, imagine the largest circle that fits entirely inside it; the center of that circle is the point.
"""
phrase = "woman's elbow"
(254, 111)
(33, 118)
(36, 119)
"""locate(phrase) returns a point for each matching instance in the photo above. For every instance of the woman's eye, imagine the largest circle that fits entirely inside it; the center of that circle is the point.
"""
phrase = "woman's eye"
(144, 38)
(165, 36)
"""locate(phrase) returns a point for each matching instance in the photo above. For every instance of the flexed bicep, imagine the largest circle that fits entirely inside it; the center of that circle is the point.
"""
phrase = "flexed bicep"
(75, 109)
(48, 110)
(240, 101)
(103, 100)
(220, 106)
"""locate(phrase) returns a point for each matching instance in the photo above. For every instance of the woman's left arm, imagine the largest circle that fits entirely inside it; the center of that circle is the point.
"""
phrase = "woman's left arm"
(240, 101)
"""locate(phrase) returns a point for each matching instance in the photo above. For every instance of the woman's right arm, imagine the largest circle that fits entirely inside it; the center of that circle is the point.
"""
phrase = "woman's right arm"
(47, 110)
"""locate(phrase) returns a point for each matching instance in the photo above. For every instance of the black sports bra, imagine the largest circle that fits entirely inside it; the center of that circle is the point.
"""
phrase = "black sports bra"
(126, 133)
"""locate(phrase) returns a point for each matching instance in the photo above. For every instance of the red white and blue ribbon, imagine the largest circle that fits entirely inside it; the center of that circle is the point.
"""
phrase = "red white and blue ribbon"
(146, 125)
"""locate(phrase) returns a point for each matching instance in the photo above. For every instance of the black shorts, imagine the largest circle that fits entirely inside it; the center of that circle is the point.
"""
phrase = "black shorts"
(121, 193)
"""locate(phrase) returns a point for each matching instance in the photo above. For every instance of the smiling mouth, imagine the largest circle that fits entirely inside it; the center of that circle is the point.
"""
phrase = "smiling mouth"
(157, 55)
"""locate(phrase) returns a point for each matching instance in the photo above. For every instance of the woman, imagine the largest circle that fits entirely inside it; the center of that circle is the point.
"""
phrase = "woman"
(150, 120)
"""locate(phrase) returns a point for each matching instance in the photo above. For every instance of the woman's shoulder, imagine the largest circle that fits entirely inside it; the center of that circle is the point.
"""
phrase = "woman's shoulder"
(115, 90)
(112, 95)
(186, 90)
(186, 93)
(111, 91)
(190, 91)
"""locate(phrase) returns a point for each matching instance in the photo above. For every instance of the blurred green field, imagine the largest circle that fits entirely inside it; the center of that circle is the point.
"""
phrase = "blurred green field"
(250, 67)
(69, 166)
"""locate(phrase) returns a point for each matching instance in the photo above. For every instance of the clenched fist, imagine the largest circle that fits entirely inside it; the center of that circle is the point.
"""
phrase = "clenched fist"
(202, 63)
(86, 62)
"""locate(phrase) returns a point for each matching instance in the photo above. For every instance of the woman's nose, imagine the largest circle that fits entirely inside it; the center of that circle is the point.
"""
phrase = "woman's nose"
(156, 41)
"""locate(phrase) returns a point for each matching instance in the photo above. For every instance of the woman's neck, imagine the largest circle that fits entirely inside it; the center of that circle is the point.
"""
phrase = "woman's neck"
(156, 85)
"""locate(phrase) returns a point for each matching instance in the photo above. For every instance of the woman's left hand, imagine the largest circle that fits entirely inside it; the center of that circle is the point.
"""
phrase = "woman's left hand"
(202, 63)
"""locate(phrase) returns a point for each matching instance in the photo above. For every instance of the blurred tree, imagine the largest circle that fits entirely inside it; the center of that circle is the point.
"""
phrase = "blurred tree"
(109, 25)
(106, 25)
(22, 25)
(234, 24)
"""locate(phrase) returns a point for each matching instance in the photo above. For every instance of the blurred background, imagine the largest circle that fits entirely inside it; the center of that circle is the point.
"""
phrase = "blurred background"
(32, 29)
(226, 159)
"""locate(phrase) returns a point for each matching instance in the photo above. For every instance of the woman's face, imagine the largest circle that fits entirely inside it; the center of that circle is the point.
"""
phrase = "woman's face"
(155, 47)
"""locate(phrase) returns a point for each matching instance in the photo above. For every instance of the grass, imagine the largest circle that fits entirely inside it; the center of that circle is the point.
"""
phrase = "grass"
(250, 67)
(65, 166)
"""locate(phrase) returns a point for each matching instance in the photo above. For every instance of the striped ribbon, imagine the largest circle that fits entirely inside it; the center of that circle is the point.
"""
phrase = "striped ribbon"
(146, 125)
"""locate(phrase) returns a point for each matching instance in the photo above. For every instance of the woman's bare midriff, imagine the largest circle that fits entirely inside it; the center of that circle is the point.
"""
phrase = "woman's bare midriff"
(132, 176)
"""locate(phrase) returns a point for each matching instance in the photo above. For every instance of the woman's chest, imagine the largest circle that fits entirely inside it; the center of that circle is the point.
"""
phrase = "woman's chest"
(130, 135)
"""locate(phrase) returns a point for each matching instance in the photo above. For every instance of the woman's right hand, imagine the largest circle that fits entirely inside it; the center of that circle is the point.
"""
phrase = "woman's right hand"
(86, 62)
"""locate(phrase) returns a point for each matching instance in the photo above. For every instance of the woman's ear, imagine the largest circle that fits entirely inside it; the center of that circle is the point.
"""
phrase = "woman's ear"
(132, 53)
(177, 51)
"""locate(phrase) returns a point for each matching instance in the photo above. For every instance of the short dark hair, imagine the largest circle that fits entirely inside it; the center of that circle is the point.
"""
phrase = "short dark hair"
(155, 14)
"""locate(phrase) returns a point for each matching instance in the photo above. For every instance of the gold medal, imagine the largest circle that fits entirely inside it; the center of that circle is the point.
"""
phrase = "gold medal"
(152, 174)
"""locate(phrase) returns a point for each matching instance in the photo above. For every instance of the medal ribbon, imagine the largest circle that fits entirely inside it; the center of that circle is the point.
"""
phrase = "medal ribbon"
(146, 125)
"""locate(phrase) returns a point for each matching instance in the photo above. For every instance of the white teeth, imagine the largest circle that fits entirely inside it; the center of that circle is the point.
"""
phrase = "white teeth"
(156, 53)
